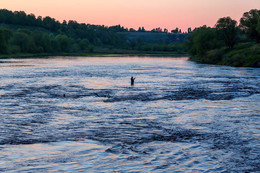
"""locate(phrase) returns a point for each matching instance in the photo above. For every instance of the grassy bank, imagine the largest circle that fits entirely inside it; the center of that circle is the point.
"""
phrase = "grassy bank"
(242, 55)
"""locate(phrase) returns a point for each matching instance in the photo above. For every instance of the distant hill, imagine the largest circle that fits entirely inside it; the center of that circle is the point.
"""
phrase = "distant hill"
(155, 37)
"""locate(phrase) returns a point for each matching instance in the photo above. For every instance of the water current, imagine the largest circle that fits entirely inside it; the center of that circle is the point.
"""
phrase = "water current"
(82, 115)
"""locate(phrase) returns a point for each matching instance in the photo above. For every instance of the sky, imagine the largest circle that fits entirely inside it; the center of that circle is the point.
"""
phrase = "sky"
(136, 13)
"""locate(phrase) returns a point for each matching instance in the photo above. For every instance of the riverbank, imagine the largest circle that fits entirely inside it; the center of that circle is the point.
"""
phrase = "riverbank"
(112, 53)
(242, 55)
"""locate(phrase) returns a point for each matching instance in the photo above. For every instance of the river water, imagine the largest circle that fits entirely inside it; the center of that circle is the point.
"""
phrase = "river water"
(81, 115)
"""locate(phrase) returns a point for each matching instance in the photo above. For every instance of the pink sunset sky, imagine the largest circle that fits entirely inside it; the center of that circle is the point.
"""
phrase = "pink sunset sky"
(134, 13)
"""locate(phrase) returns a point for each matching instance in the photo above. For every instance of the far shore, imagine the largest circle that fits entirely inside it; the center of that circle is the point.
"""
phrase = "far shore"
(100, 54)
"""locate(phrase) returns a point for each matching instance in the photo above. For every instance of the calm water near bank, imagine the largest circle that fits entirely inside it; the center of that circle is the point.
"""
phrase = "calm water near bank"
(81, 114)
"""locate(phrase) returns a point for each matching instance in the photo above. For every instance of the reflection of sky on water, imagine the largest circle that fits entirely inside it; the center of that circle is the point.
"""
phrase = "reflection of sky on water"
(81, 114)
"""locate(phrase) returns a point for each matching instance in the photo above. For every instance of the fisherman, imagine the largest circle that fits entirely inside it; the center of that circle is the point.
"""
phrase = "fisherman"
(132, 80)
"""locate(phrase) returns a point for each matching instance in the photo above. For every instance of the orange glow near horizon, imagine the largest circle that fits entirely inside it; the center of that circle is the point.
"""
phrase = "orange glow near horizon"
(136, 13)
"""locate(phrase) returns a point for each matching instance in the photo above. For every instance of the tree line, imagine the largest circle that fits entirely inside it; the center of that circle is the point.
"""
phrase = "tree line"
(26, 33)
(215, 45)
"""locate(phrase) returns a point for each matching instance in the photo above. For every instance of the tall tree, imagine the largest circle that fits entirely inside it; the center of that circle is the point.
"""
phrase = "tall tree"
(5, 35)
(201, 41)
(63, 42)
(249, 24)
(176, 30)
(157, 29)
(258, 26)
(227, 30)
(23, 40)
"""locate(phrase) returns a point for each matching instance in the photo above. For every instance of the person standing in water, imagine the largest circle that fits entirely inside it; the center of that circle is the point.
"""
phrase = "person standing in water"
(132, 80)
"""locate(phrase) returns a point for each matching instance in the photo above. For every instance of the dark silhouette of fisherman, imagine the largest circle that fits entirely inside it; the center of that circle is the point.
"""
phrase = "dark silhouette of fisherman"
(132, 80)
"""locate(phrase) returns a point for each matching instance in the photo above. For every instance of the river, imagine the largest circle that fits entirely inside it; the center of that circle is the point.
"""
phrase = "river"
(79, 114)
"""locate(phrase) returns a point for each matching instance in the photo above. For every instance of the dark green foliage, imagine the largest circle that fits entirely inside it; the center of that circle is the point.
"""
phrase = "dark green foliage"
(244, 54)
(5, 35)
(63, 43)
(40, 35)
(157, 30)
(141, 29)
(258, 27)
(249, 23)
(99, 35)
(50, 24)
(3, 43)
(117, 28)
(175, 31)
(43, 42)
(84, 45)
(213, 56)
(201, 41)
(175, 47)
(226, 44)
(227, 31)
(132, 30)
(154, 37)
(23, 40)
